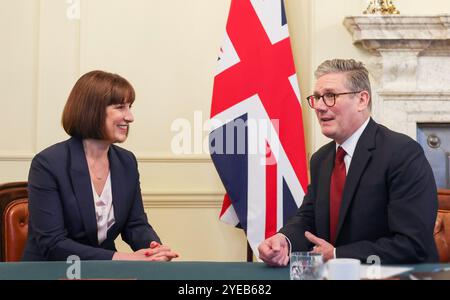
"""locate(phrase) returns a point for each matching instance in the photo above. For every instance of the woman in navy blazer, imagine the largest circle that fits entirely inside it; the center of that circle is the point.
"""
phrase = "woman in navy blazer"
(85, 191)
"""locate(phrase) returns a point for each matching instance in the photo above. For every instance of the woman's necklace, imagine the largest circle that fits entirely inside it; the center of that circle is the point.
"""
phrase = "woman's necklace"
(97, 158)
(99, 170)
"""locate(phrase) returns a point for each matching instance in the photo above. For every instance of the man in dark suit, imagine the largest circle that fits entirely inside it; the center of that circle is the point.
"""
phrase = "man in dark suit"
(372, 190)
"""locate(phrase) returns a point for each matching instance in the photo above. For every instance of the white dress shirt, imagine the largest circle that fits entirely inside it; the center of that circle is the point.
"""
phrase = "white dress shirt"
(350, 144)
(349, 147)
(104, 210)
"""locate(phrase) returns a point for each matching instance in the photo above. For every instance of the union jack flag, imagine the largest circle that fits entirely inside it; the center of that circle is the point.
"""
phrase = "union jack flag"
(257, 141)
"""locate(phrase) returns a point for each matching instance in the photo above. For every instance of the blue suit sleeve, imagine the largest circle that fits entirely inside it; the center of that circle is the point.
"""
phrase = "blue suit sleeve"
(137, 232)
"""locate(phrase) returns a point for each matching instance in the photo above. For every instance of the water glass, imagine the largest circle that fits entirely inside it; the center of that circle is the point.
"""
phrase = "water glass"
(306, 266)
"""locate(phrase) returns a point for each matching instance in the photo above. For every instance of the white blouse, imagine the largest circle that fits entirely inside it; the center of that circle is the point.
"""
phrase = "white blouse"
(104, 210)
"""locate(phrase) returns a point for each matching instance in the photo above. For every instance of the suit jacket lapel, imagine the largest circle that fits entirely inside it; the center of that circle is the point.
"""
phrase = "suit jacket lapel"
(360, 158)
(323, 194)
(118, 187)
(82, 187)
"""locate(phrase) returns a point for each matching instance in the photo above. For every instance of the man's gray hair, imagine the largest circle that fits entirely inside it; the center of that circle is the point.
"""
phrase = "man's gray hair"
(357, 74)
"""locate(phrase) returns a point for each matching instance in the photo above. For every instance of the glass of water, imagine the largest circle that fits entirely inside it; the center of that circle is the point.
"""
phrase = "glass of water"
(306, 266)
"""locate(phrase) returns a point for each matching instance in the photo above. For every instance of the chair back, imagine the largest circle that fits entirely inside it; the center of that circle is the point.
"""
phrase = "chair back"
(14, 220)
(442, 226)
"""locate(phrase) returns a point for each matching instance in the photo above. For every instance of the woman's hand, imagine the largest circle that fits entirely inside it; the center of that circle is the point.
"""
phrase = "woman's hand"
(156, 252)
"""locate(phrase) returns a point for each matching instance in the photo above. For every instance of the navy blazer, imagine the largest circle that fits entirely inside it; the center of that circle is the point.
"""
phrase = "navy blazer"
(62, 220)
(389, 202)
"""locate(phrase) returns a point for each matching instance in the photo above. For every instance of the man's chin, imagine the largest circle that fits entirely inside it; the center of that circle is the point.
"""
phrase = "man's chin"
(328, 133)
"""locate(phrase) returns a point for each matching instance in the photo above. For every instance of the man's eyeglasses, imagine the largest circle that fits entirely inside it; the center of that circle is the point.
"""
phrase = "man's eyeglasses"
(328, 98)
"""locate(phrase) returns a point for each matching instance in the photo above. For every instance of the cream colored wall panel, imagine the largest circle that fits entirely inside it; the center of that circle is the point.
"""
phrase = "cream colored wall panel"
(196, 234)
(14, 170)
(299, 21)
(417, 7)
(58, 68)
(18, 78)
(167, 49)
(179, 177)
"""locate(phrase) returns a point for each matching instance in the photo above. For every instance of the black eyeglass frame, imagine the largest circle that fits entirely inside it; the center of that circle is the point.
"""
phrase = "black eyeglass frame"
(329, 94)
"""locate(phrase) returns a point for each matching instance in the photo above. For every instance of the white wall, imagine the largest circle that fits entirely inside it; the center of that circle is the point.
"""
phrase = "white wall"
(168, 50)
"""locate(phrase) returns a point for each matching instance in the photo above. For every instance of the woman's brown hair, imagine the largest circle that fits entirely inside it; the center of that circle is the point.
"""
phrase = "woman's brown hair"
(85, 110)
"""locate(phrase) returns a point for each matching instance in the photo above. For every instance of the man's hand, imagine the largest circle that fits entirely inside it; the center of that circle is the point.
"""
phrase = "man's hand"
(274, 251)
(321, 246)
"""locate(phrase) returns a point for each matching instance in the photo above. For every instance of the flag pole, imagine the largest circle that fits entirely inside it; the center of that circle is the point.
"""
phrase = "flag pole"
(249, 253)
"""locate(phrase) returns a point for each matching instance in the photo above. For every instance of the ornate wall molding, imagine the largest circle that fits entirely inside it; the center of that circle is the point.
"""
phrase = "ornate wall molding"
(410, 64)
(416, 96)
(172, 158)
(13, 156)
(404, 44)
(158, 158)
(400, 31)
(182, 199)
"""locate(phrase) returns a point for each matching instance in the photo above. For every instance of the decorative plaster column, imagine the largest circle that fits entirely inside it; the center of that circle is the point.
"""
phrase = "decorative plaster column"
(411, 67)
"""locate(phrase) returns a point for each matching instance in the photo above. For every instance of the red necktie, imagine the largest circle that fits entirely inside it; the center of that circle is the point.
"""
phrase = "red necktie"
(336, 189)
